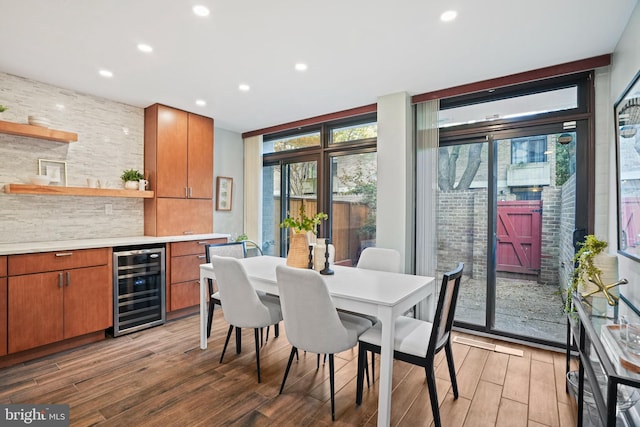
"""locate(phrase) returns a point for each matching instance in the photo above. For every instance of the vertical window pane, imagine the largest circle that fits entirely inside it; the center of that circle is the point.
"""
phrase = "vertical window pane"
(271, 210)
(353, 205)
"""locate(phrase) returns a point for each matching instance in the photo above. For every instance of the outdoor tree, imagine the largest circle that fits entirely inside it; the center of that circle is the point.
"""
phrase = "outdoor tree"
(448, 163)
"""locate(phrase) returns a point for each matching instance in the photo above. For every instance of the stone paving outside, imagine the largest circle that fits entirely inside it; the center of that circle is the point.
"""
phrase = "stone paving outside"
(522, 306)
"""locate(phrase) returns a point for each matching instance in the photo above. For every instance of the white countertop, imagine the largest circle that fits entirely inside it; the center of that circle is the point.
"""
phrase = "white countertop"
(67, 245)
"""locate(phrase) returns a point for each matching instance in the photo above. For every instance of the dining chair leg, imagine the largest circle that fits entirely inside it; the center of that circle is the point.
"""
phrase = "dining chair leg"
(433, 396)
(238, 340)
(359, 377)
(261, 337)
(332, 386)
(286, 371)
(318, 361)
(212, 306)
(276, 330)
(226, 342)
(256, 333)
(373, 368)
(452, 368)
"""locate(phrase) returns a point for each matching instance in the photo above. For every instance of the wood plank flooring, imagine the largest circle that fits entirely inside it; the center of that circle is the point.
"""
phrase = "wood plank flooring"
(161, 377)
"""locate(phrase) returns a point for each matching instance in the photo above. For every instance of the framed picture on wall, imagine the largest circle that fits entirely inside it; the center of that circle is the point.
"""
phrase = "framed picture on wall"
(224, 193)
(56, 171)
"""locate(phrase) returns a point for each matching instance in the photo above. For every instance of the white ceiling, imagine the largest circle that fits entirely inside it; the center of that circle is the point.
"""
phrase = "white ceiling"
(356, 50)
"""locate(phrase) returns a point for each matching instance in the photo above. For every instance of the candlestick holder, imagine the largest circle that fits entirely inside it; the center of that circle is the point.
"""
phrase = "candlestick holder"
(310, 266)
(326, 270)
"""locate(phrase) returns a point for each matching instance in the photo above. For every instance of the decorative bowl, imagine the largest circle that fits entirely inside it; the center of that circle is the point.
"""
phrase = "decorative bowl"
(40, 180)
(39, 121)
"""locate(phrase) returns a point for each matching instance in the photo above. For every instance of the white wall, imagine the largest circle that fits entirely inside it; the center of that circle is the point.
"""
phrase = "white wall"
(229, 161)
(625, 65)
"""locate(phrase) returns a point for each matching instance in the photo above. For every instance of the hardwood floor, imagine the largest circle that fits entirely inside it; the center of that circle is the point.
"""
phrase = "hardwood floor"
(161, 377)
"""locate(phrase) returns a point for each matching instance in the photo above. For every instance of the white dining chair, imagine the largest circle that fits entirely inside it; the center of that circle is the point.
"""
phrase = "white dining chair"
(243, 308)
(311, 320)
(418, 341)
(379, 259)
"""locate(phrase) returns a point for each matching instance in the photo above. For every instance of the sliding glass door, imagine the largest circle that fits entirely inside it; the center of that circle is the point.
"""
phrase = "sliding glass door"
(508, 205)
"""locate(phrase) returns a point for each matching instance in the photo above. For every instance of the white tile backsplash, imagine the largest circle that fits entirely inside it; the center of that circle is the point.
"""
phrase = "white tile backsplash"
(110, 139)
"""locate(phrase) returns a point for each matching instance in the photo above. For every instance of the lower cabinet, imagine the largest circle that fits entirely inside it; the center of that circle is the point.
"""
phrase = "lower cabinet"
(50, 306)
(184, 274)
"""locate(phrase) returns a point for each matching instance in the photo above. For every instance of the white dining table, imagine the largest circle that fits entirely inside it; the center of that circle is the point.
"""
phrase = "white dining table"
(377, 293)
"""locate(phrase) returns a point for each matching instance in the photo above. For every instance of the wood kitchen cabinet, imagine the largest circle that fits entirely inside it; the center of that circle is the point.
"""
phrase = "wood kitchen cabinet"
(54, 296)
(3, 305)
(178, 152)
(184, 272)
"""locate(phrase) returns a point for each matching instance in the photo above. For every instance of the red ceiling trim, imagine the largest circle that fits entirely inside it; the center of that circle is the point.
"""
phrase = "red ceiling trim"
(527, 76)
(371, 108)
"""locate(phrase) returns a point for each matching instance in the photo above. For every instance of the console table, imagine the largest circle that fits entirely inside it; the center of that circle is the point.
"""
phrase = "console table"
(608, 375)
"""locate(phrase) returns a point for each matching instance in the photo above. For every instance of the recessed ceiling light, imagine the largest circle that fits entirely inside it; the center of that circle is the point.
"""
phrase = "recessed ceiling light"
(448, 16)
(301, 66)
(201, 102)
(106, 73)
(244, 87)
(144, 48)
(201, 10)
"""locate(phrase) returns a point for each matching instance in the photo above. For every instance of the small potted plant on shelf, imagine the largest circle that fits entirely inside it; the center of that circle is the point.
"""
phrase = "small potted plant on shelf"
(301, 226)
(130, 178)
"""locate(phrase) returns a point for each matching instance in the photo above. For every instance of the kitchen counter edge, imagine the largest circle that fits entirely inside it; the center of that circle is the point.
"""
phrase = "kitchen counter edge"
(69, 245)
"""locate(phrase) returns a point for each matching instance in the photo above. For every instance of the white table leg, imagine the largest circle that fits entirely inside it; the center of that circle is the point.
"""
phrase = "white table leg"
(386, 366)
(203, 311)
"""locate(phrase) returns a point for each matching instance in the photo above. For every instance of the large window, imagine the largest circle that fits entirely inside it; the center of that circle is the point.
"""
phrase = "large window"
(330, 167)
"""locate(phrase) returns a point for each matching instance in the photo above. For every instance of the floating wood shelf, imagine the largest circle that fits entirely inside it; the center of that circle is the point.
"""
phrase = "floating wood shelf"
(39, 132)
(51, 190)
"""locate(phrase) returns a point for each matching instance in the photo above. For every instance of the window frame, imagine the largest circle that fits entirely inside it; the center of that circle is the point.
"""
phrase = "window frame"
(322, 155)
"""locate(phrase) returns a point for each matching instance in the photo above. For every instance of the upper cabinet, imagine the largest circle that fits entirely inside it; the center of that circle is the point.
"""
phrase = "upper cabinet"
(178, 153)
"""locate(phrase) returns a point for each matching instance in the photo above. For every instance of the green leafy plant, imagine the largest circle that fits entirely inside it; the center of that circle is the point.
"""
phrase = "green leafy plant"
(242, 237)
(2, 108)
(131, 175)
(303, 222)
(585, 268)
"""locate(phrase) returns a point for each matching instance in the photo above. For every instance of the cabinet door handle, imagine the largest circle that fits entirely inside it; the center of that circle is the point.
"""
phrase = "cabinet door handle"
(201, 256)
(64, 254)
(186, 192)
(60, 280)
(187, 232)
(190, 191)
(68, 278)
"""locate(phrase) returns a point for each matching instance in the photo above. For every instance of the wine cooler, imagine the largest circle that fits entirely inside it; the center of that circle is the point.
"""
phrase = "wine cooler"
(139, 289)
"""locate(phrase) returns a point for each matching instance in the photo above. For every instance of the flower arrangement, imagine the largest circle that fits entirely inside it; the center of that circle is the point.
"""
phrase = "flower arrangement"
(303, 222)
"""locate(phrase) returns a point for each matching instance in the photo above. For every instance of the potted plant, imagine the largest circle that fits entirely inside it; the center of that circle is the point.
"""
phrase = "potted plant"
(130, 177)
(301, 226)
(587, 269)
